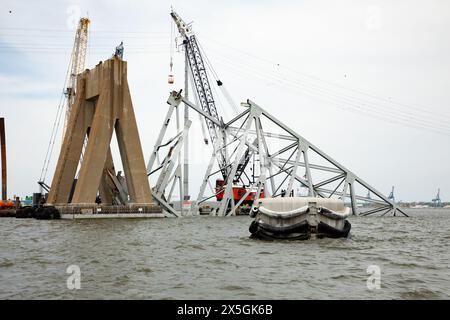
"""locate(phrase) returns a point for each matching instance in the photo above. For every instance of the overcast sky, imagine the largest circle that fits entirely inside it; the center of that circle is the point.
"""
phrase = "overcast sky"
(366, 81)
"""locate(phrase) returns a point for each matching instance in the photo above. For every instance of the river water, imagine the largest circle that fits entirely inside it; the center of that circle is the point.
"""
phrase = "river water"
(213, 258)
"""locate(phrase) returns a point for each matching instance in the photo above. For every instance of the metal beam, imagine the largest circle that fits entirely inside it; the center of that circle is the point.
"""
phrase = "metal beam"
(193, 106)
(3, 152)
(185, 175)
(239, 116)
(162, 132)
(312, 166)
(341, 194)
(375, 210)
(322, 183)
(229, 183)
(266, 134)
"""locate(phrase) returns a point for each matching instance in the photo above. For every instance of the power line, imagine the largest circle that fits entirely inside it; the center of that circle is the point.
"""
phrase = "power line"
(360, 101)
(354, 99)
(322, 95)
(341, 102)
(65, 30)
(359, 91)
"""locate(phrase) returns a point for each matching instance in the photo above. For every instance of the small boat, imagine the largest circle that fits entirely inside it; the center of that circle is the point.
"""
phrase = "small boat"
(299, 218)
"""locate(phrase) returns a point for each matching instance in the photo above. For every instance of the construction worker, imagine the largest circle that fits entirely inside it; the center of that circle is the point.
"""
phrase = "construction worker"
(119, 51)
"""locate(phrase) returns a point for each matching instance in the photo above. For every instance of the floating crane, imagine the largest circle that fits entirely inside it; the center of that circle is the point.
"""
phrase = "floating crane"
(207, 102)
(437, 201)
(76, 66)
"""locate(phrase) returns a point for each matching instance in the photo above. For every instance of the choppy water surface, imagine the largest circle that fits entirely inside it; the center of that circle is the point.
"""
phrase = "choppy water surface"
(213, 258)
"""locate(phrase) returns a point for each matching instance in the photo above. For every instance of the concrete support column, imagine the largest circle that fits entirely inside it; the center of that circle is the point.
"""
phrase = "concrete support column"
(131, 152)
(94, 160)
(103, 103)
(78, 124)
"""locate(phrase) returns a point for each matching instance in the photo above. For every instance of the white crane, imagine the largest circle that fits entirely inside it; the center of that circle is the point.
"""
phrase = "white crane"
(206, 100)
(203, 90)
(78, 62)
(437, 202)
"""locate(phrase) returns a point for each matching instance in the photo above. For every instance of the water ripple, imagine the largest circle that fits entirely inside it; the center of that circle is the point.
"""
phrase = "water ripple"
(211, 257)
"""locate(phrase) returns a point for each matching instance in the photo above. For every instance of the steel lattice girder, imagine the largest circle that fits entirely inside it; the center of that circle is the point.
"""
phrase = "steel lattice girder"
(276, 164)
(245, 132)
(168, 171)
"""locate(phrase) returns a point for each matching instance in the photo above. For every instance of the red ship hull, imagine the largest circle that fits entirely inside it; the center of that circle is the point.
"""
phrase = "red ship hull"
(238, 193)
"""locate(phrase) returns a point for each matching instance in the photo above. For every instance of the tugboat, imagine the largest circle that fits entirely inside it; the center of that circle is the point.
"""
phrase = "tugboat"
(299, 218)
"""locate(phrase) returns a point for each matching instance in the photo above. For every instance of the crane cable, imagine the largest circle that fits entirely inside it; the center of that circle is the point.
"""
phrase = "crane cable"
(171, 45)
(342, 104)
(273, 63)
(220, 84)
(200, 117)
(321, 91)
(356, 101)
(55, 128)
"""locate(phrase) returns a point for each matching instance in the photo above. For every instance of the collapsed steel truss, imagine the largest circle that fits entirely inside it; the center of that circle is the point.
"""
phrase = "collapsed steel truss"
(277, 162)
(168, 170)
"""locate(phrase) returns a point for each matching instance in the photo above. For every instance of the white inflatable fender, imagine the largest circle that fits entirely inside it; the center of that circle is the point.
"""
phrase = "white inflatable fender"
(334, 214)
(284, 214)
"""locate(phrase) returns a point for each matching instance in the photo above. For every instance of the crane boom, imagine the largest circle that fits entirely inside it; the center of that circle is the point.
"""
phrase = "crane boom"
(204, 90)
(78, 61)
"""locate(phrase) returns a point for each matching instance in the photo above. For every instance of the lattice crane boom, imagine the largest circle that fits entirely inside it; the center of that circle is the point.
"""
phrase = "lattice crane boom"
(204, 90)
(76, 66)
(78, 62)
